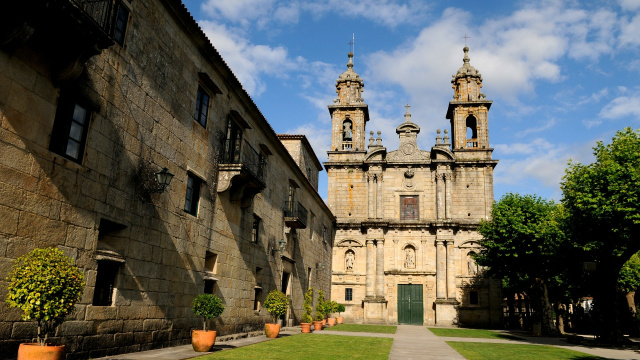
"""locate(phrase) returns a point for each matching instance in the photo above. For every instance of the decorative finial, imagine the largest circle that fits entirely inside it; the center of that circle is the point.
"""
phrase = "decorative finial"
(438, 138)
(352, 43)
(379, 139)
(466, 55)
(350, 63)
(371, 138)
(407, 115)
(465, 37)
(446, 136)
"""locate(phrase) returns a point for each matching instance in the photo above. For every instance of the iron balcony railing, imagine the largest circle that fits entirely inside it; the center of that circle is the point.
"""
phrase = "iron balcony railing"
(294, 209)
(240, 152)
(103, 12)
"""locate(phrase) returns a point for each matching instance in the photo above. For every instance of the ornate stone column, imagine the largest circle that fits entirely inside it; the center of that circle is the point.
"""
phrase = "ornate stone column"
(439, 199)
(423, 246)
(370, 275)
(395, 264)
(441, 270)
(448, 189)
(380, 268)
(379, 206)
(451, 273)
(371, 183)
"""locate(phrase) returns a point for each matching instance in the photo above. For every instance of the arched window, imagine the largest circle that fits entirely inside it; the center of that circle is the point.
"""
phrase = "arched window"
(472, 132)
(349, 260)
(409, 257)
(347, 130)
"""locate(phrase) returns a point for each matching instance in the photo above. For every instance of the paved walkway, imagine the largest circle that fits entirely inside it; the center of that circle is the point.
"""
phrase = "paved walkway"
(409, 343)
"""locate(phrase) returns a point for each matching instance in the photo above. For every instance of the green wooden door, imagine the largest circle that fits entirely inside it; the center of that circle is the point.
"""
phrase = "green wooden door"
(410, 308)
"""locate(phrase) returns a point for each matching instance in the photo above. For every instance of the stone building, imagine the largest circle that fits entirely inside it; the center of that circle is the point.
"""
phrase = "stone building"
(407, 219)
(96, 97)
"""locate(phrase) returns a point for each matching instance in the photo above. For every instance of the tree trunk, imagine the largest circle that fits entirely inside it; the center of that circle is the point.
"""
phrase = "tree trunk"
(512, 312)
(548, 326)
(605, 313)
(631, 302)
(560, 318)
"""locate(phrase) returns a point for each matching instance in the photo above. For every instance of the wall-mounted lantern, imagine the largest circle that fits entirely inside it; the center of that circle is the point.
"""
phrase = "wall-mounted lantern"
(163, 177)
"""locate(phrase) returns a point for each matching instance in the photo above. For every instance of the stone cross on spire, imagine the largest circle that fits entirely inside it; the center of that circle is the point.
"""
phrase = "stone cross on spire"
(465, 37)
(352, 43)
(407, 115)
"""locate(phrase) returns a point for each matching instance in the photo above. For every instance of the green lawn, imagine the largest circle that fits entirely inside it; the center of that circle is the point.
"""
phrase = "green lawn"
(311, 347)
(489, 351)
(380, 329)
(472, 333)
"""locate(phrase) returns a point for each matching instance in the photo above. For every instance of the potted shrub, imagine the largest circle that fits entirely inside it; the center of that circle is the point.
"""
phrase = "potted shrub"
(306, 316)
(45, 285)
(320, 311)
(208, 306)
(331, 307)
(340, 309)
(276, 304)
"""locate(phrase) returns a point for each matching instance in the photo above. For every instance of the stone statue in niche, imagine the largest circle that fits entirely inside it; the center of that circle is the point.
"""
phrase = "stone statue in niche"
(409, 258)
(472, 267)
(349, 259)
(347, 134)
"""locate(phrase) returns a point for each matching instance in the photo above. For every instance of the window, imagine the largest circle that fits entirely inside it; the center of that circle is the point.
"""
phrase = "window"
(232, 142)
(348, 294)
(255, 231)
(202, 106)
(105, 283)
(473, 298)
(409, 207)
(210, 262)
(257, 296)
(70, 128)
(324, 234)
(122, 17)
(192, 197)
(209, 286)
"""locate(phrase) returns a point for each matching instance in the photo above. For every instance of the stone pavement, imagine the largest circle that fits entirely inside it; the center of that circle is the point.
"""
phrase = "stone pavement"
(409, 343)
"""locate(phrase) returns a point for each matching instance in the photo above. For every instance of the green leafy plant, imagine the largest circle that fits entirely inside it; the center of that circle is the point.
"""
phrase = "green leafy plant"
(331, 307)
(340, 309)
(276, 304)
(208, 306)
(45, 285)
(320, 306)
(308, 299)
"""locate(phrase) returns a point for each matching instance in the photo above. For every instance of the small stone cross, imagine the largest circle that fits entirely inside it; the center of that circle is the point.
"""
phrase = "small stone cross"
(465, 37)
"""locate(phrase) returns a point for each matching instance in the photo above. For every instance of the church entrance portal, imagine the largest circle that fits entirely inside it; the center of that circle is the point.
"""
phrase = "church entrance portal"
(410, 308)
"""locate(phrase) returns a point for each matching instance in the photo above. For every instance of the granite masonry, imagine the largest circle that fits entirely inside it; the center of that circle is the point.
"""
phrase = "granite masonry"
(407, 219)
(96, 97)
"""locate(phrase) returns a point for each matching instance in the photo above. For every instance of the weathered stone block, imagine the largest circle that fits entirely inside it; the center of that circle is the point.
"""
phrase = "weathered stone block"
(109, 326)
(24, 330)
(75, 328)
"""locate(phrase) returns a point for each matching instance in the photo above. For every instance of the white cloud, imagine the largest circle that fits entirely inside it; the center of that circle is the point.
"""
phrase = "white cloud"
(547, 125)
(390, 13)
(238, 11)
(630, 5)
(248, 61)
(629, 32)
(622, 107)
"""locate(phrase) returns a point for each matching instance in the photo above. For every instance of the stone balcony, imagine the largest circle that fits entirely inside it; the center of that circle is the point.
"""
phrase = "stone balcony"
(295, 215)
(241, 172)
(63, 34)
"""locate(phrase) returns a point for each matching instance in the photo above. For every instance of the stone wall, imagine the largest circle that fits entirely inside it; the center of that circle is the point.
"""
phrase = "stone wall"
(142, 98)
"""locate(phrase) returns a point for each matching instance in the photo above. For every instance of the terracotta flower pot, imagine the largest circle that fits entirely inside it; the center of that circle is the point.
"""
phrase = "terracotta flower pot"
(331, 321)
(33, 351)
(202, 340)
(271, 330)
(339, 319)
(317, 325)
(306, 327)
(324, 322)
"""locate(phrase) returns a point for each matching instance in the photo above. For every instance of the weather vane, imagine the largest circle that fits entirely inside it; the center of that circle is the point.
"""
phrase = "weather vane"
(465, 37)
(352, 43)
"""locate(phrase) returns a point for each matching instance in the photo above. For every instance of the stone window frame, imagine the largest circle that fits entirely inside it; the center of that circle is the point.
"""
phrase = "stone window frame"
(192, 193)
(255, 229)
(71, 127)
(416, 216)
(122, 16)
(474, 298)
(106, 284)
(203, 102)
(348, 294)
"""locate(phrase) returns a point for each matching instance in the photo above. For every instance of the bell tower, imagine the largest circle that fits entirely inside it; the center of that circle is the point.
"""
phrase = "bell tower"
(468, 113)
(349, 115)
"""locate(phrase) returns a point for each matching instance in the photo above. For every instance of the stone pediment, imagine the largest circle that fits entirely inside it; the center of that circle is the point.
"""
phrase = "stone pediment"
(376, 155)
(441, 153)
(408, 153)
(350, 243)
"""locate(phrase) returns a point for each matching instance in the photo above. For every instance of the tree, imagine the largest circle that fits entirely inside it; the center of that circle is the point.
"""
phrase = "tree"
(629, 282)
(522, 245)
(602, 200)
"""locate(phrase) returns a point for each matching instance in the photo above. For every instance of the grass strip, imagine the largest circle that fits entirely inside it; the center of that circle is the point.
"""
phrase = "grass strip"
(472, 333)
(493, 351)
(310, 347)
(378, 329)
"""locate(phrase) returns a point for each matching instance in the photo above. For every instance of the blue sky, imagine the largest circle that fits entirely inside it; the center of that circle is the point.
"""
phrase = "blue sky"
(562, 74)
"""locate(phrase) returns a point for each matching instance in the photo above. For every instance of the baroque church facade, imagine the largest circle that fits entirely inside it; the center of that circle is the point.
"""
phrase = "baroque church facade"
(407, 219)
